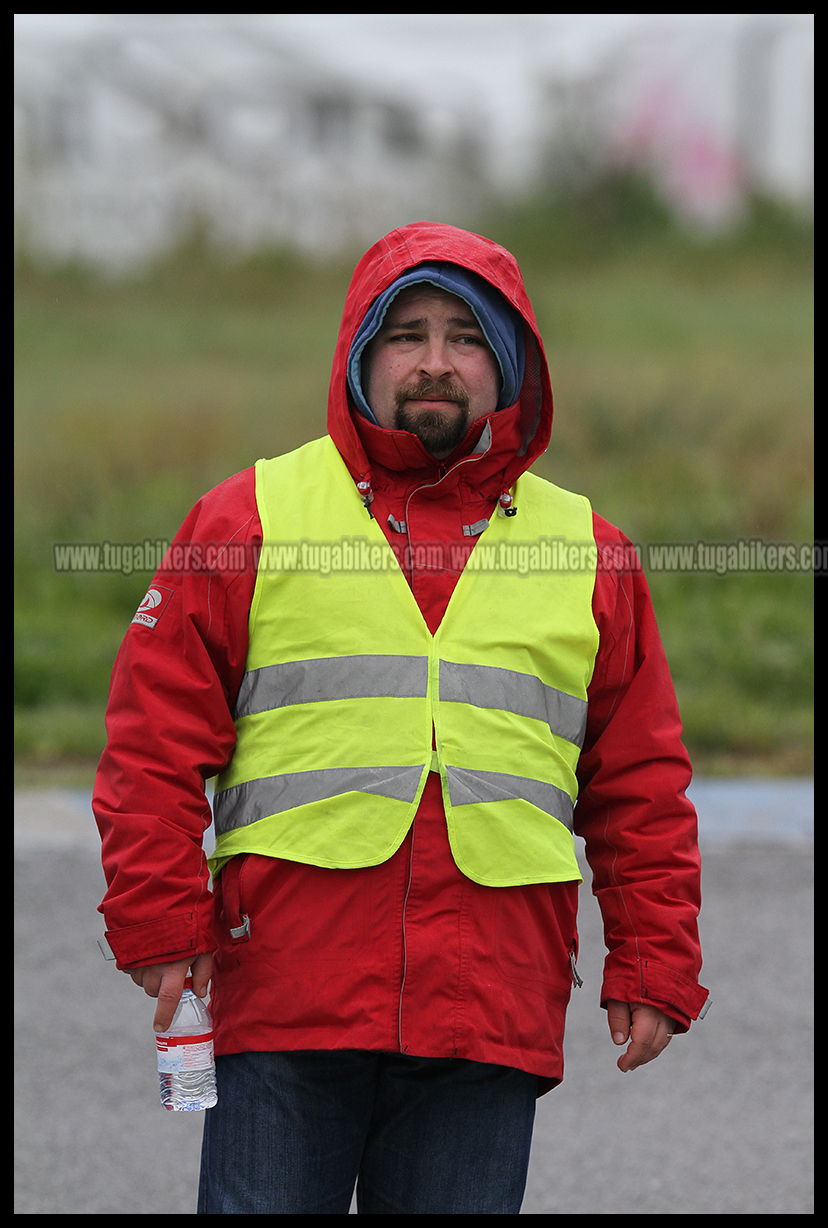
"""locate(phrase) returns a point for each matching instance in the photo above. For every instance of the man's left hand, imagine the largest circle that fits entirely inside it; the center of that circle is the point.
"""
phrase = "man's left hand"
(648, 1029)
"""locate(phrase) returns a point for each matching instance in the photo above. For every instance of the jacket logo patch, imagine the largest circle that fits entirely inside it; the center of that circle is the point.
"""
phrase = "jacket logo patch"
(153, 605)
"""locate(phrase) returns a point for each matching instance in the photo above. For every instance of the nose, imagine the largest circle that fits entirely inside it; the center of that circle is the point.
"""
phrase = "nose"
(435, 361)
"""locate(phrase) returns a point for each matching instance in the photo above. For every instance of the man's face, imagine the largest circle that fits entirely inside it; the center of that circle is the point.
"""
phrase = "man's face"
(429, 370)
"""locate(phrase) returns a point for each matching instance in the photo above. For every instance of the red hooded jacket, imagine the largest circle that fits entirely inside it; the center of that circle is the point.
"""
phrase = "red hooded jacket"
(407, 956)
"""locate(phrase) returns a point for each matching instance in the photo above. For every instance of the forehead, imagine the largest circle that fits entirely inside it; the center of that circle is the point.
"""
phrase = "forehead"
(424, 298)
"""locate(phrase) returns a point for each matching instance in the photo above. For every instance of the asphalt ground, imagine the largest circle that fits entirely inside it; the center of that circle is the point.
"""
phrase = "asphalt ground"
(720, 1123)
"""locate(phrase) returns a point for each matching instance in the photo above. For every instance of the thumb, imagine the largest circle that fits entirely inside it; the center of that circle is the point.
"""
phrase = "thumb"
(618, 1018)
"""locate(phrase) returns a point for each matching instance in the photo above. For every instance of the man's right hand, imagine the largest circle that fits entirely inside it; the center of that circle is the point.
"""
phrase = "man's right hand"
(166, 983)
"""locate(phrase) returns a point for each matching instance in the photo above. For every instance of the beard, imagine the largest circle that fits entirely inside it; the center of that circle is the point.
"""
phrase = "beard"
(440, 431)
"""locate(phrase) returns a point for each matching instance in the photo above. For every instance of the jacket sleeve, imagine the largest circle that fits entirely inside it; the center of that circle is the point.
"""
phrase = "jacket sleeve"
(170, 728)
(640, 830)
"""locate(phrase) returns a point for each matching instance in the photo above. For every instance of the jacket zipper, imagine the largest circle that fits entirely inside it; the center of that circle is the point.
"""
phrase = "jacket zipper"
(425, 486)
(404, 947)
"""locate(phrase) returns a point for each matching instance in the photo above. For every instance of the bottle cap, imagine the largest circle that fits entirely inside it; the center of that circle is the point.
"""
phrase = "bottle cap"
(188, 982)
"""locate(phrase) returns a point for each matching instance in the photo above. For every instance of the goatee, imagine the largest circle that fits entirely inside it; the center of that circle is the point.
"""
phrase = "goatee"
(440, 431)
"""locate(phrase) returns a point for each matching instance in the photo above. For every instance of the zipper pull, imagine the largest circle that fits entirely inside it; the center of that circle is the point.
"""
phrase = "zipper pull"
(576, 980)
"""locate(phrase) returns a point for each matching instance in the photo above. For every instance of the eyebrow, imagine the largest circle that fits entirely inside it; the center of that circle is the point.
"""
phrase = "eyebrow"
(468, 321)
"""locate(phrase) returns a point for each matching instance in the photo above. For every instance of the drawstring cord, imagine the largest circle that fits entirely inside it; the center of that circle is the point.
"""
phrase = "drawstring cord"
(504, 505)
(366, 493)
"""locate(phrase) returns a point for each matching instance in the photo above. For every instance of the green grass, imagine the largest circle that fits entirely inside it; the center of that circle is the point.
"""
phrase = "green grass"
(682, 374)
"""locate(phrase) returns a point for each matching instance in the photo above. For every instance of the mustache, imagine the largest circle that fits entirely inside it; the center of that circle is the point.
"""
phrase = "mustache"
(432, 390)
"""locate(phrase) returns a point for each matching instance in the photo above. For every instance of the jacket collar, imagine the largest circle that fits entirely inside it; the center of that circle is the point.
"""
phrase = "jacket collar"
(480, 461)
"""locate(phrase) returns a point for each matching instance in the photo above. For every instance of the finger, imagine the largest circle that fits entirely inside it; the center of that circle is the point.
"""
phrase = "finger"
(201, 972)
(637, 1053)
(618, 1019)
(650, 1032)
(169, 995)
(150, 980)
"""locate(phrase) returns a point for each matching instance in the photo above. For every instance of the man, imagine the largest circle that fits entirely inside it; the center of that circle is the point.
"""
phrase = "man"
(405, 658)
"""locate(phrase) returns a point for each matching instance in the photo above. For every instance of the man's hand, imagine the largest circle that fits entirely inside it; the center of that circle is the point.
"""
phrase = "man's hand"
(648, 1028)
(166, 983)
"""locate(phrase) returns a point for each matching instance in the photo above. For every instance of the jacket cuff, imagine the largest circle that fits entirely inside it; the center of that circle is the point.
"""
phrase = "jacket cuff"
(657, 985)
(157, 942)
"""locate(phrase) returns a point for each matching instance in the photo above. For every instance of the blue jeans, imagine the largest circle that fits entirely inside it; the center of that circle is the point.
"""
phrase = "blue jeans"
(293, 1132)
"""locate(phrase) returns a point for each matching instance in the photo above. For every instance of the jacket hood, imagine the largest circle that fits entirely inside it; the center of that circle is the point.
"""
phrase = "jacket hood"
(512, 437)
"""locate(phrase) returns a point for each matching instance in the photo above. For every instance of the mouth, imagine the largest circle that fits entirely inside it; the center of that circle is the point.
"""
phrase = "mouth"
(436, 403)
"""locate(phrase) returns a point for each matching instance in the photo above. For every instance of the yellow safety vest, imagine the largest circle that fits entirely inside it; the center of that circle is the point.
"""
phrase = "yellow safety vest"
(344, 683)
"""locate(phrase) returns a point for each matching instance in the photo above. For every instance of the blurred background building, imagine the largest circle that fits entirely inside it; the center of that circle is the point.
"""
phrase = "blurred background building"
(325, 130)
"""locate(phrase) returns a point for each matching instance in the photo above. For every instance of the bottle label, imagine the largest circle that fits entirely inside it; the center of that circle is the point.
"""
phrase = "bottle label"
(177, 1053)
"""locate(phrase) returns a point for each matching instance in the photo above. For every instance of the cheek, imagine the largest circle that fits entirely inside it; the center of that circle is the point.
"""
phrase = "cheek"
(488, 379)
(369, 375)
(379, 369)
(379, 382)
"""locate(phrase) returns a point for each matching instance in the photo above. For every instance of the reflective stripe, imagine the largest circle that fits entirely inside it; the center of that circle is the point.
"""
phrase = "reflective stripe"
(329, 678)
(466, 787)
(403, 677)
(474, 530)
(489, 686)
(246, 803)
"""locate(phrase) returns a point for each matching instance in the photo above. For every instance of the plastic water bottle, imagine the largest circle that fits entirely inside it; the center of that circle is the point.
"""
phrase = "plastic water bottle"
(186, 1065)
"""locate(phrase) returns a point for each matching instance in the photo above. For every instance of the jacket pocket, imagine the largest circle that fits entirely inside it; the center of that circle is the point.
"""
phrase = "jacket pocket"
(535, 937)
